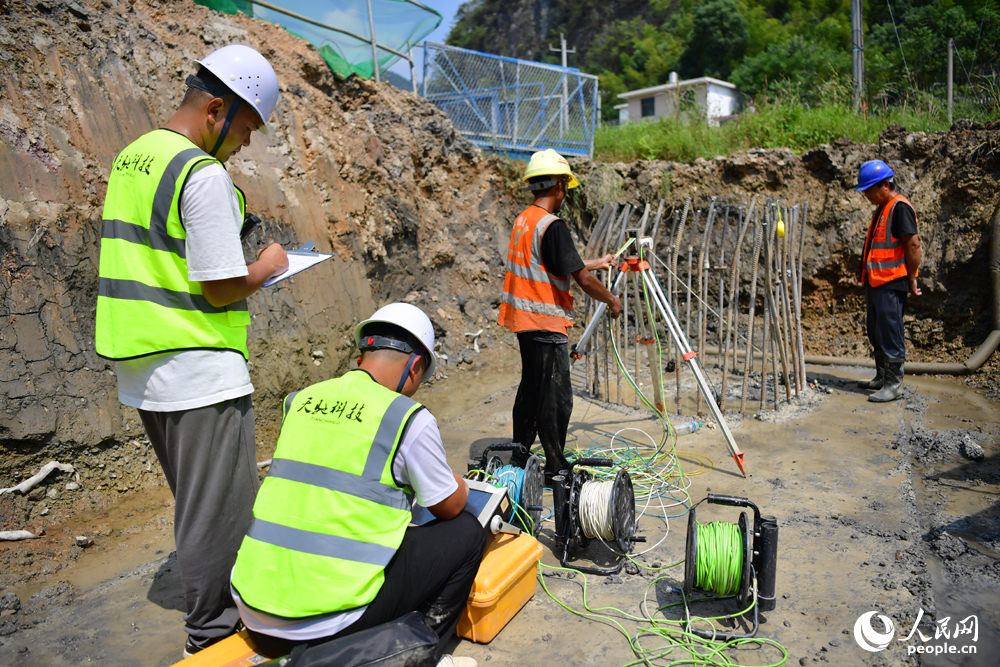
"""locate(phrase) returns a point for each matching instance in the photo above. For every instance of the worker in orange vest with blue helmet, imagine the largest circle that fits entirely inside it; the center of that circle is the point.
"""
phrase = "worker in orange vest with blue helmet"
(537, 305)
(889, 266)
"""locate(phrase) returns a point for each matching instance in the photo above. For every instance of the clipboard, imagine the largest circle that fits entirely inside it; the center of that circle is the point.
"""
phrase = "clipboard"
(298, 261)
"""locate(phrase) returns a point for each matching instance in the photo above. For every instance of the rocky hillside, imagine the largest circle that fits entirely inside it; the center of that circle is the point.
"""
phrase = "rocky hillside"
(371, 173)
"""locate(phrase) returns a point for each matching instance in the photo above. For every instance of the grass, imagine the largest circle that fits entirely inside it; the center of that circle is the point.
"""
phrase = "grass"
(777, 124)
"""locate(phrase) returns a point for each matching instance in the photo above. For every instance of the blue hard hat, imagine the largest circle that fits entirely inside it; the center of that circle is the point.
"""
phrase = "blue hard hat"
(872, 173)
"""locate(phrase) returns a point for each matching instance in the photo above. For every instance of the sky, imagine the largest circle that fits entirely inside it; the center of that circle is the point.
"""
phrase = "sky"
(447, 8)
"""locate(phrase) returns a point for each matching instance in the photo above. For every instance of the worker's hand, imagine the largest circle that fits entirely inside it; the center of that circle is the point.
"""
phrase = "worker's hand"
(914, 290)
(276, 256)
(601, 263)
(615, 307)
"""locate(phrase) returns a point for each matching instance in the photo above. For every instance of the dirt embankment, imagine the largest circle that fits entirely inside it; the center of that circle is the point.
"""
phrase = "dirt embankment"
(952, 179)
(372, 174)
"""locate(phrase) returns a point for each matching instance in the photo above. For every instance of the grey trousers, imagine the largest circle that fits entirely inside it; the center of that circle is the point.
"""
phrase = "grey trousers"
(209, 457)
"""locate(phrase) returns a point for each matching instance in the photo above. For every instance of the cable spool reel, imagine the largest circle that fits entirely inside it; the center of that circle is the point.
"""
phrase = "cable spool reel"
(586, 509)
(755, 553)
(525, 491)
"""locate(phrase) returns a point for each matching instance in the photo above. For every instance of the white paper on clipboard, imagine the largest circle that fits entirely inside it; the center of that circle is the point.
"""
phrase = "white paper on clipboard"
(298, 261)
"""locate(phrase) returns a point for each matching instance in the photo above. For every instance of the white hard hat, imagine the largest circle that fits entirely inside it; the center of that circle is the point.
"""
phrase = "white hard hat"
(411, 319)
(249, 75)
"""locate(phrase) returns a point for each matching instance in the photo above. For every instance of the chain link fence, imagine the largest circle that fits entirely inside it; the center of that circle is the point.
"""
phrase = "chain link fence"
(509, 106)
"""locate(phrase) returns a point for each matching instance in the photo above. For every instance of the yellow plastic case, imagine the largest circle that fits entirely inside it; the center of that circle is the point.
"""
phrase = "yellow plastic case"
(505, 582)
(235, 651)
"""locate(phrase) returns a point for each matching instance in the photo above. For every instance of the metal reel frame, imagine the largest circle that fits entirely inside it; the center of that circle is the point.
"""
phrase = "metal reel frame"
(746, 592)
(623, 502)
(531, 496)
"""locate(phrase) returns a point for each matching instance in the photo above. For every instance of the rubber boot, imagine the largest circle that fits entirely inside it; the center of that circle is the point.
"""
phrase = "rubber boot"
(878, 380)
(892, 387)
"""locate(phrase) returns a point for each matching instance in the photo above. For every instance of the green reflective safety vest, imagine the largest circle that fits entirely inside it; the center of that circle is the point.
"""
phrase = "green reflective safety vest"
(145, 303)
(329, 516)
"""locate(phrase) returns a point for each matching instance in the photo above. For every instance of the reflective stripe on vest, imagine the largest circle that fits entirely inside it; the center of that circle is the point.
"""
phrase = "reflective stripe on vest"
(533, 299)
(145, 303)
(329, 516)
(884, 255)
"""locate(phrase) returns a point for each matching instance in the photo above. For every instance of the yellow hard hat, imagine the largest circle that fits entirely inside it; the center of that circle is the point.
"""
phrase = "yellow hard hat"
(550, 163)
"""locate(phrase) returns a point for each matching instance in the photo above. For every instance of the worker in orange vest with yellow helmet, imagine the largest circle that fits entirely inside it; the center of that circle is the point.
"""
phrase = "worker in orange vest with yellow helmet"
(889, 266)
(537, 305)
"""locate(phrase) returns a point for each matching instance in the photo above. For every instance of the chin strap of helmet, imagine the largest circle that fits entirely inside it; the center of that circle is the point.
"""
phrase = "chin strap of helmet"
(406, 371)
(225, 127)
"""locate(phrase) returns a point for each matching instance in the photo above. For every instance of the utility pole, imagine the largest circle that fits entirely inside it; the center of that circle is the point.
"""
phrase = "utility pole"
(857, 54)
(951, 78)
(565, 102)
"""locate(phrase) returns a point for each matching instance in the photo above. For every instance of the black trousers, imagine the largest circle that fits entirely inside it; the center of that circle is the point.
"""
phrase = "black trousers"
(885, 322)
(432, 573)
(544, 401)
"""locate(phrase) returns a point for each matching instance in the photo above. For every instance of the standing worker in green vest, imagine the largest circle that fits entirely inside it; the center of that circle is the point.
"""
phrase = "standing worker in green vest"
(172, 313)
(330, 552)
(537, 305)
(889, 264)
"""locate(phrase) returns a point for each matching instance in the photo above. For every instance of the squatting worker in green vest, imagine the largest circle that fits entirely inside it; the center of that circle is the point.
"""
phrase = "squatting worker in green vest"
(329, 552)
(172, 312)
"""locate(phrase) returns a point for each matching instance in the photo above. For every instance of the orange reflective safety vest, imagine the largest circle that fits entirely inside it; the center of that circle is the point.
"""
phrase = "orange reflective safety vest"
(884, 260)
(533, 299)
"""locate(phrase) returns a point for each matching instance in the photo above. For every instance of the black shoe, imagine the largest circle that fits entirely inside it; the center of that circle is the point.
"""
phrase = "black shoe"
(892, 387)
(190, 648)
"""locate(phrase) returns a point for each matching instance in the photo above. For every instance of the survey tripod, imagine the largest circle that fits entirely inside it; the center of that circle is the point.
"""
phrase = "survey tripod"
(639, 265)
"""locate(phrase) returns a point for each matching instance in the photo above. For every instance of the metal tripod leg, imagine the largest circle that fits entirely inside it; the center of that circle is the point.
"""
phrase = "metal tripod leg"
(685, 352)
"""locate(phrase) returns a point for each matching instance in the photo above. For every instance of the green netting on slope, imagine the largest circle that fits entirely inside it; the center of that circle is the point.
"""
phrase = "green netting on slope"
(399, 25)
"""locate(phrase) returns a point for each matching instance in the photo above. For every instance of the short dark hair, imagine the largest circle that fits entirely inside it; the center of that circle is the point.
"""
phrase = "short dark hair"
(203, 84)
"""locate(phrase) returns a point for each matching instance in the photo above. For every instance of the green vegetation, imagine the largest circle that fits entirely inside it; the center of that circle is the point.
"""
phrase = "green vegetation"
(766, 47)
(779, 123)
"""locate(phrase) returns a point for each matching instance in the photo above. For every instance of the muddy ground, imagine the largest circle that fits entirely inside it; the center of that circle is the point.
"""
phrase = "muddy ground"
(890, 508)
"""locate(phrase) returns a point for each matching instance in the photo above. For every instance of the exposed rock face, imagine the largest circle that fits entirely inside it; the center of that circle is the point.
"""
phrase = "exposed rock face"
(952, 179)
(372, 174)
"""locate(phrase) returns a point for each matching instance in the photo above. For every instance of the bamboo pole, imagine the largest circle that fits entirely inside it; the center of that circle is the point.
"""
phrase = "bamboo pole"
(721, 268)
(677, 242)
(798, 296)
(703, 286)
(777, 345)
(733, 313)
(758, 231)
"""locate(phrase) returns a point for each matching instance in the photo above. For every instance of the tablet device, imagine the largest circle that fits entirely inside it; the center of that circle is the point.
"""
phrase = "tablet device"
(484, 501)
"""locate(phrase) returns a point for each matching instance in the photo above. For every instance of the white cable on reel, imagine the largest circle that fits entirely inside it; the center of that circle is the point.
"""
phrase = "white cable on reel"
(596, 511)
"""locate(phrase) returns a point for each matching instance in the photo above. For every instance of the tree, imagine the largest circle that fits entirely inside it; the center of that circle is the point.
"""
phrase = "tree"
(797, 66)
(718, 38)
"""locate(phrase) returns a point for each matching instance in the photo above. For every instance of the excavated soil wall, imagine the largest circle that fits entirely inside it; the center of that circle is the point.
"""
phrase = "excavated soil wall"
(952, 178)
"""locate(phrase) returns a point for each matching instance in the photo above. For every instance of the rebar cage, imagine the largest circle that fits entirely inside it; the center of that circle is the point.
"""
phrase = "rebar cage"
(510, 106)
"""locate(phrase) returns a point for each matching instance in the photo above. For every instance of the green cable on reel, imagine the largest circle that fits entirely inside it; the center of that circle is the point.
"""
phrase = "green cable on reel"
(720, 560)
